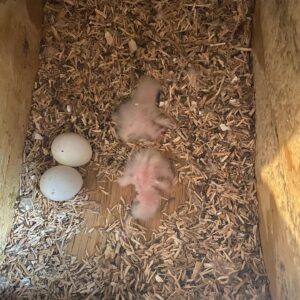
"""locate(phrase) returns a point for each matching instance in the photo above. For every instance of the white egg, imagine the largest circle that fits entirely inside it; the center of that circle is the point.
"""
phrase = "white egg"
(71, 149)
(60, 183)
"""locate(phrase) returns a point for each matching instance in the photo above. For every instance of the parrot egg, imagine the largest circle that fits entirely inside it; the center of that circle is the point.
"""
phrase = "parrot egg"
(60, 183)
(71, 149)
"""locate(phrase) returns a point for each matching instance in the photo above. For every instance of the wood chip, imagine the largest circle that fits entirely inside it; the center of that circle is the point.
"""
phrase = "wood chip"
(223, 127)
(109, 38)
(196, 269)
(132, 46)
(158, 278)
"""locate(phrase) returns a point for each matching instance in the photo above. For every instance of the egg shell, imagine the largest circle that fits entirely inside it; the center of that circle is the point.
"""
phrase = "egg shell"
(71, 149)
(60, 183)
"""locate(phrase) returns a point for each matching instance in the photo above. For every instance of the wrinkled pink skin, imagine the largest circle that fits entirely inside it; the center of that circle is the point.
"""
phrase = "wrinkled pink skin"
(148, 169)
(140, 117)
(151, 174)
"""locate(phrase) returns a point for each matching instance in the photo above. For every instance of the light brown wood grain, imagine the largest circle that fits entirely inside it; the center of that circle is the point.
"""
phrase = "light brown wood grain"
(20, 32)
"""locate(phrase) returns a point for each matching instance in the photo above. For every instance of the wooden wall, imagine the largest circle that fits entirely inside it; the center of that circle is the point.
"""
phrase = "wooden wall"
(20, 28)
(276, 45)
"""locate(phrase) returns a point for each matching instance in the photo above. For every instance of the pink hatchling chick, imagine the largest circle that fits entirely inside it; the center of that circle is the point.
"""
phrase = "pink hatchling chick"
(140, 118)
(151, 174)
(145, 205)
(148, 169)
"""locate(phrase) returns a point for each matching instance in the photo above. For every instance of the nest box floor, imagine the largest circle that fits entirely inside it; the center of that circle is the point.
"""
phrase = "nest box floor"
(205, 242)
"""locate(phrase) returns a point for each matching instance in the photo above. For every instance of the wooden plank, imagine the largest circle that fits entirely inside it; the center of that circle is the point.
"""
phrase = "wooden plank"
(277, 78)
(20, 33)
